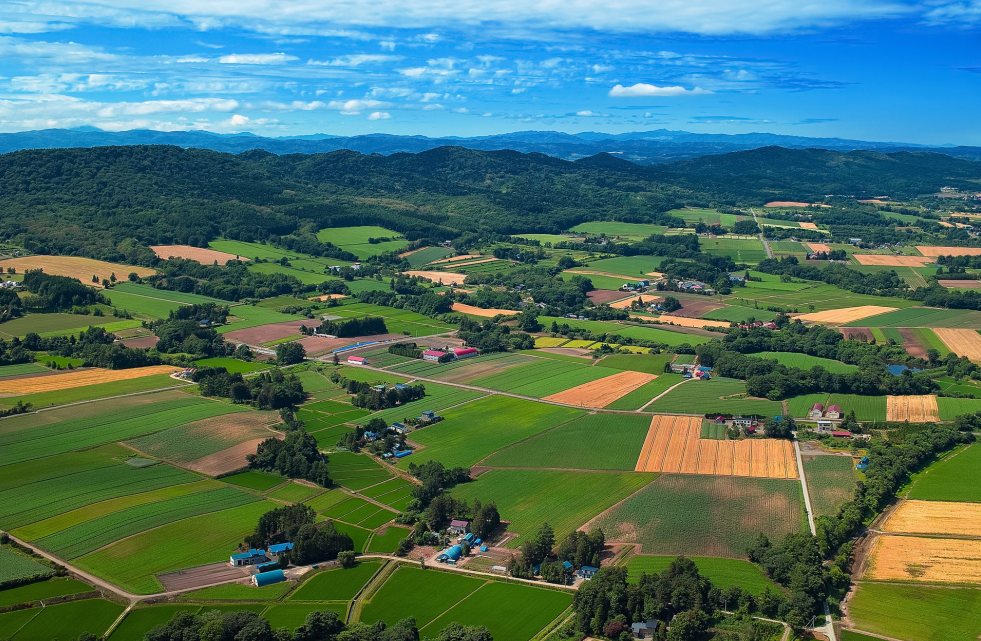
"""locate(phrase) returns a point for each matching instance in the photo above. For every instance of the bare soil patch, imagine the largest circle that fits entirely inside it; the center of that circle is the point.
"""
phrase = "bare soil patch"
(818, 248)
(604, 391)
(141, 343)
(201, 576)
(808, 225)
(600, 296)
(855, 332)
(697, 308)
(447, 278)
(75, 267)
(199, 254)
(271, 332)
(847, 314)
(644, 300)
(911, 344)
(480, 311)
(455, 259)
(960, 284)
(228, 460)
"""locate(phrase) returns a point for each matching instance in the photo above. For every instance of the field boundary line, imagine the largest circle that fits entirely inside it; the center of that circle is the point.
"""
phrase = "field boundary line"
(871, 634)
(481, 587)
(119, 620)
(829, 627)
(662, 394)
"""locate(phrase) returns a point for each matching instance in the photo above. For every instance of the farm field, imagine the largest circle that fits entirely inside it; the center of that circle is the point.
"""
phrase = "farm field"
(294, 493)
(541, 377)
(42, 590)
(141, 305)
(75, 267)
(201, 255)
(22, 368)
(396, 320)
(94, 392)
(614, 228)
(930, 560)
(59, 324)
(565, 500)
(800, 296)
(336, 585)
(11, 622)
(603, 391)
(926, 317)
(423, 594)
(936, 517)
(438, 397)
(260, 481)
(805, 362)
(846, 315)
(917, 613)
(593, 442)
(741, 250)
(69, 620)
(249, 316)
(963, 342)
(427, 255)
(703, 397)
(867, 408)
(18, 566)
(79, 378)
(950, 408)
(704, 515)
(141, 620)
(638, 332)
(644, 394)
(737, 314)
(133, 562)
(502, 421)
(649, 363)
(139, 289)
(355, 239)
(722, 572)
(387, 542)
(830, 482)
(951, 479)
(915, 409)
(293, 615)
(235, 366)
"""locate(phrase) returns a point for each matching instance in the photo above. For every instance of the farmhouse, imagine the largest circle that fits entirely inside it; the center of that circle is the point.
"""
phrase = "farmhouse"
(429, 416)
(399, 428)
(268, 578)
(682, 368)
(357, 360)
(834, 411)
(459, 527)
(587, 572)
(817, 410)
(252, 557)
(645, 629)
(432, 355)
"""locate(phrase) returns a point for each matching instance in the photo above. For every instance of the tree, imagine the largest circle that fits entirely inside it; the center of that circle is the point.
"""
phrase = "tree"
(459, 632)
(290, 353)
(671, 304)
(346, 559)
(688, 626)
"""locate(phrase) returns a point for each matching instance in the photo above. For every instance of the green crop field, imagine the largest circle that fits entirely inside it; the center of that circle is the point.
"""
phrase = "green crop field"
(457, 369)
(643, 394)
(917, 613)
(69, 620)
(800, 295)
(141, 305)
(953, 407)
(566, 500)
(438, 397)
(739, 249)
(951, 479)
(190, 441)
(722, 572)
(705, 515)
(92, 392)
(470, 432)
(23, 368)
(799, 406)
(293, 615)
(255, 480)
(593, 442)
(234, 366)
(91, 535)
(548, 238)
(396, 320)
(388, 542)
(614, 228)
(247, 316)
(395, 485)
(649, 363)
(355, 239)
(637, 332)
(734, 313)
(237, 592)
(17, 566)
(703, 397)
(787, 246)
(43, 590)
(18, 444)
(636, 267)
(164, 294)
(54, 324)
(929, 340)
(542, 377)
(11, 622)
(850, 635)
(529, 610)
(428, 255)
(294, 493)
(867, 408)
(358, 534)
(830, 482)
(327, 499)
(133, 562)
(423, 594)
(141, 620)
(314, 382)
(805, 362)
(336, 585)
(923, 317)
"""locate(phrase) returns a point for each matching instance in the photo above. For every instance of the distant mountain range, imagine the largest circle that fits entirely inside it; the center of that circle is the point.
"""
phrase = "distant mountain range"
(644, 147)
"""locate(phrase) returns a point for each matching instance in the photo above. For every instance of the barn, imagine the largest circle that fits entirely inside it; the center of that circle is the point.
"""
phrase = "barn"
(252, 557)
(834, 411)
(268, 578)
(464, 352)
(357, 360)
(432, 355)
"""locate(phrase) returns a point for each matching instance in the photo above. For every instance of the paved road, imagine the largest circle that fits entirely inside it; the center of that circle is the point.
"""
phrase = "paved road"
(766, 245)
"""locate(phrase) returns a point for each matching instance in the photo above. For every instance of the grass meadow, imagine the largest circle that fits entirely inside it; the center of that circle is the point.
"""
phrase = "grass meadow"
(388, 542)
(830, 481)
(952, 407)
(917, 613)
(336, 585)
(260, 481)
(543, 377)
(643, 394)
(805, 362)
(638, 332)
(615, 228)
(722, 572)
(704, 397)
(141, 620)
(423, 594)
(867, 408)
(141, 305)
(57, 324)
(954, 478)
(649, 363)
(69, 620)
(43, 590)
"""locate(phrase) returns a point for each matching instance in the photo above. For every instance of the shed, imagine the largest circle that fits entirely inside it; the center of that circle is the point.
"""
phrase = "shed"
(403, 453)
(817, 410)
(841, 434)
(464, 352)
(719, 420)
(825, 425)
(357, 360)
(567, 567)
(458, 527)
(645, 629)
(451, 555)
(587, 572)
(279, 548)
(268, 578)
(834, 411)
(252, 557)
(401, 386)
(432, 355)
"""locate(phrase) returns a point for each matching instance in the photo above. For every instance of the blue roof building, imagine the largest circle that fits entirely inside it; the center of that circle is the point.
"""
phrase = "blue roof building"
(268, 578)
(452, 555)
(401, 386)
(252, 557)
(587, 571)
(567, 566)
(279, 548)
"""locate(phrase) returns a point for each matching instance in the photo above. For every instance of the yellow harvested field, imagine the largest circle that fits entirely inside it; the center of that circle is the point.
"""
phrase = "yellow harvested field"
(409, 253)
(681, 321)
(455, 259)
(817, 248)
(199, 254)
(949, 251)
(628, 279)
(480, 311)
(963, 342)
(446, 277)
(787, 203)
(915, 409)
(808, 225)
(913, 558)
(328, 297)
(70, 379)
(936, 517)
(648, 300)
(944, 223)
(75, 267)
(602, 392)
(846, 314)
(673, 445)
(892, 261)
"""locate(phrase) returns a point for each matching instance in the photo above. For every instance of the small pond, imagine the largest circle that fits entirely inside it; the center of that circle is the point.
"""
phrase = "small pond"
(896, 370)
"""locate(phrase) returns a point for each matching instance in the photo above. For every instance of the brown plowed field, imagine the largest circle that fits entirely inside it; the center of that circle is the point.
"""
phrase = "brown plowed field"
(446, 277)
(141, 343)
(455, 259)
(905, 558)
(328, 297)
(318, 345)
(75, 267)
(855, 332)
(602, 392)
(787, 203)
(673, 445)
(916, 409)
(936, 517)
(271, 332)
(808, 225)
(480, 311)
(818, 248)
(949, 251)
(913, 346)
(963, 342)
(72, 379)
(600, 296)
(228, 460)
(846, 315)
(696, 308)
(892, 261)
(200, 254)
(960, 284)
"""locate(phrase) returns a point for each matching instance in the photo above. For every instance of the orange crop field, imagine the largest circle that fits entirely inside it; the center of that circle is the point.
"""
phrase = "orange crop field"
(818, 248)
(480, 311)
(602, 392)
(673, 445)
(624, 304)
(963, 342)
(199, 254)
(846, 314)
(808, 225)
(786, 203)
(681, 321)
(79, 378)
(892, 261)
(445, 277)
(75, 267)
(936, 517)
(912, 408)
(455, 259)
(906, 558)
(950, 251)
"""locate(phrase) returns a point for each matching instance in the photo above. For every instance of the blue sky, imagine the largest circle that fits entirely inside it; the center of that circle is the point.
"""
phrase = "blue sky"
(887, 70)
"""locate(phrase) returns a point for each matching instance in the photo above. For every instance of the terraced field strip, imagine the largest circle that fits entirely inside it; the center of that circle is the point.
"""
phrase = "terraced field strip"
(936, 517)
(69, 380)
(845, 315)
(929, 560)
(673, 445)
(916, 409)
(602, 392)
(963, 342)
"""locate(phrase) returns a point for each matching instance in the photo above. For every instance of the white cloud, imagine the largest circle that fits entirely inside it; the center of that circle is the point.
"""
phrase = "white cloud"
(968, 12)
(354, 107)
(28, 26)
(379, 115)
(586, 113)
(354, 60)
(256, 59)
(238, 120)
(641, 90)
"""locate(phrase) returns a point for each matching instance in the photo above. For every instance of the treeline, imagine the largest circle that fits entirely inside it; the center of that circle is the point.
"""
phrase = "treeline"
(232, 282)
(295, 456)
(426, 303)
(487, 336)
(58, 292)
(408, 350)
(296, 524)
(814, 340)
(883, 283)
(560, 293)
(267, 391)
(182, 331)
(369, 398)
(11, 306)
(94, 346)
(363, 326)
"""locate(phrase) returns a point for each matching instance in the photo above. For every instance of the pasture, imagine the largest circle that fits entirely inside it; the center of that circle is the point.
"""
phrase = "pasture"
(830, 481)
(806, 362)
(592, 442)
(293, 615)
(336, 585)
(565, 500)
(249, 316)
(355, 239)
(396, 320)
(56, 324)
(705, 397)
(637, 332)
(139, 289)
(715, 516)
(916, 612)
(615, 228)
(950, 408)
(423, 594)
(470, 432)
(22, 368)
(741, 250)
(69, 620)
(867, 408)
(722, 572)
(235, 366)
(142, 306)
(649, 363)
(953, 478)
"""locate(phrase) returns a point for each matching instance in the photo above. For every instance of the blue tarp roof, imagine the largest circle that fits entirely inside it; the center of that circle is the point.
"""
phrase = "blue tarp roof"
(568, 566)
(589, 568)
(280, 547)
(268, 578)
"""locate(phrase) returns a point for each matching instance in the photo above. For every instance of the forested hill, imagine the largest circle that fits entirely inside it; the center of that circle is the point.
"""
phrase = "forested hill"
(111, 202)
